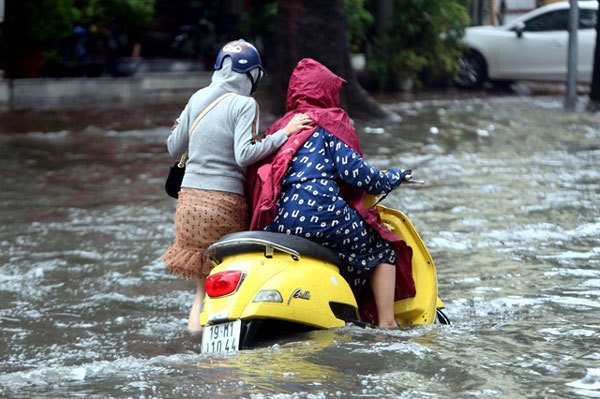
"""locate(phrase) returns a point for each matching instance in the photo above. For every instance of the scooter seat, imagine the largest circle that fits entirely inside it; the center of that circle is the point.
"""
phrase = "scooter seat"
(266, 242)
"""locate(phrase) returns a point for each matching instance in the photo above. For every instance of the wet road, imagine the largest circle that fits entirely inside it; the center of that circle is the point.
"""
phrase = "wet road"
(510, 213)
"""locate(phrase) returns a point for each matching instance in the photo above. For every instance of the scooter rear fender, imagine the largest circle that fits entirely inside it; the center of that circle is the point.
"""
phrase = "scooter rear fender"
(307, 287)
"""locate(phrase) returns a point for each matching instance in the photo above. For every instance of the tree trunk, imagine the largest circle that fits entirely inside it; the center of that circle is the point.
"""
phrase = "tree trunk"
(492, 14)
(595, 90)
(317, 29)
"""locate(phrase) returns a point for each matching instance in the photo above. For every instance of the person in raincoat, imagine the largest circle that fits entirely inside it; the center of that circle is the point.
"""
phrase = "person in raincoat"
(314, 185)
(211, 201)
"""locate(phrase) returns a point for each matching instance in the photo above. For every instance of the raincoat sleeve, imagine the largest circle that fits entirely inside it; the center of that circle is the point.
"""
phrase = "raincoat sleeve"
(248, 148)
(177, 142)
(352, 169)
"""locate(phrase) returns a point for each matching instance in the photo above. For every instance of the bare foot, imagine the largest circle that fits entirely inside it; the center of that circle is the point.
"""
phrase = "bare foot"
(388, 325)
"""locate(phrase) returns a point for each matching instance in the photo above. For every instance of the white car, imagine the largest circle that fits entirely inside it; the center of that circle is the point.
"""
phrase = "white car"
(531, 47)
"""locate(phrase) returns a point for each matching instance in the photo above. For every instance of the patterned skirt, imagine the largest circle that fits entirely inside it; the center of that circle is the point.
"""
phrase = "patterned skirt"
(201, 218)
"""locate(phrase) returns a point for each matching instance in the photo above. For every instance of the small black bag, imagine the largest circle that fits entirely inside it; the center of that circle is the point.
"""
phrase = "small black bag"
(174, 179)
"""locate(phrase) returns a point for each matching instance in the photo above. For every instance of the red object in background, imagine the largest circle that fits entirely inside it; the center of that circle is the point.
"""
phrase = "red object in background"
(26, 66)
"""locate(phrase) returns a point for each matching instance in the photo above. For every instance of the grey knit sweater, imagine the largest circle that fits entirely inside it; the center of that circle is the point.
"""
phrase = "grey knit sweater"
(226, 140)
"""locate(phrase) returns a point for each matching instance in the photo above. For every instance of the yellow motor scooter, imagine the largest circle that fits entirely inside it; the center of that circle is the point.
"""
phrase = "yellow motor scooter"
(266, 283)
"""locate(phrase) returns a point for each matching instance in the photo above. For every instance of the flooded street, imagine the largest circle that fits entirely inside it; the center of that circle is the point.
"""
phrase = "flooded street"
(510, 212)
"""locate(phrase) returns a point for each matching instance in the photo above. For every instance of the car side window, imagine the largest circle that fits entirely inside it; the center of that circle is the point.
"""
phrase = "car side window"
(553, 20)
(587, 18)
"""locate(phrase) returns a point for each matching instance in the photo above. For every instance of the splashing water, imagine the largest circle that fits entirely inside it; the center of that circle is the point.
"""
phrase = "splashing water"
(510, 212)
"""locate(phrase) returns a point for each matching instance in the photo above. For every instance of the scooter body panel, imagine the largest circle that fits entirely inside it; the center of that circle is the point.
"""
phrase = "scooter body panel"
(306, 287)
(420, 309)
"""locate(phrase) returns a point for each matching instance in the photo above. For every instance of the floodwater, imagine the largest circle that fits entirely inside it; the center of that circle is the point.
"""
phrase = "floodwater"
(510, 212)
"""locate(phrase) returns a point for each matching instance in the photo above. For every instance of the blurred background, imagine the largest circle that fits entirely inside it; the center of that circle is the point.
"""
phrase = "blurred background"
(400, 45)
(510, 210)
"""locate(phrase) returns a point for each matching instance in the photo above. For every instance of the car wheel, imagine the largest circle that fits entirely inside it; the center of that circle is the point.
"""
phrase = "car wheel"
(473, 71)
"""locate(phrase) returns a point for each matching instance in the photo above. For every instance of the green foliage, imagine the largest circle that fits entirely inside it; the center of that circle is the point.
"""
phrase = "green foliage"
(33, 26)
(131, 16)
(423, 43)
(257, 24)
(358, 21)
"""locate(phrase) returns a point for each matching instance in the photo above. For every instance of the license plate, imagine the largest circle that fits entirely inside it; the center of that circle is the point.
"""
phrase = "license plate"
(223, 337)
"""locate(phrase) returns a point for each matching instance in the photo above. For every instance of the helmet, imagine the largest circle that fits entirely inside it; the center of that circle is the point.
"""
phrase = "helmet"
(244, 56)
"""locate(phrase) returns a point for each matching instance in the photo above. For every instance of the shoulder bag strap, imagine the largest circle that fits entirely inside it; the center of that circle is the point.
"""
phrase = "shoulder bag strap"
(183, 159)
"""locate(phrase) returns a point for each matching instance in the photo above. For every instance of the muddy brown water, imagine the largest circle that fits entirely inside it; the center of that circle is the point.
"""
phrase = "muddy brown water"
(510, 212)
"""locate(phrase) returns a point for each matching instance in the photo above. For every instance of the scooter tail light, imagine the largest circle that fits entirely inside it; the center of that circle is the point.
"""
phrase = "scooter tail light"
(223, 283)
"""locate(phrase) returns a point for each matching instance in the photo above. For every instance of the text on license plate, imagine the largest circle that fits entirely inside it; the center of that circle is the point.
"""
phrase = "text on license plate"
(221, 337)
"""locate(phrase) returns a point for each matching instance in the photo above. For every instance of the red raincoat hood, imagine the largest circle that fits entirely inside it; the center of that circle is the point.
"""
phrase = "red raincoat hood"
(313, 85)
(315, 90)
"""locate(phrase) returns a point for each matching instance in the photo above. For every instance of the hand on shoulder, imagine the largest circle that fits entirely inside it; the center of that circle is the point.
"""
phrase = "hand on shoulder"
(297, 123)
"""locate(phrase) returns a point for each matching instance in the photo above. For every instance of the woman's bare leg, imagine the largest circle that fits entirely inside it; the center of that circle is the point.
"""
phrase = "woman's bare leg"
(383, 283)
(194, 319)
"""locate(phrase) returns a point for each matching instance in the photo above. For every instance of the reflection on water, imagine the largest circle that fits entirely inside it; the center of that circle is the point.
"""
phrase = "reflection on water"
(510, 212)
(283, 368)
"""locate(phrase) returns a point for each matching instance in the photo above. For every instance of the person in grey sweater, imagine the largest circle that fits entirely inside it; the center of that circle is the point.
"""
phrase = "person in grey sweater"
(224, 142)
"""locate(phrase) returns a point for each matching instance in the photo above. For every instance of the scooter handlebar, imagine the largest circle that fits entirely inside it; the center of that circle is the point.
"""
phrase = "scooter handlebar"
(407, 177)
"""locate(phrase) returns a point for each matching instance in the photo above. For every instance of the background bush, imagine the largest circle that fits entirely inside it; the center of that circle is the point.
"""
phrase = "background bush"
(421, 45)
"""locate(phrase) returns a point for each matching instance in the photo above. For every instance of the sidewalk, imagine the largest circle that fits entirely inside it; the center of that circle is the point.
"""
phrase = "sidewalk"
(147, 88)
(155, 99)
